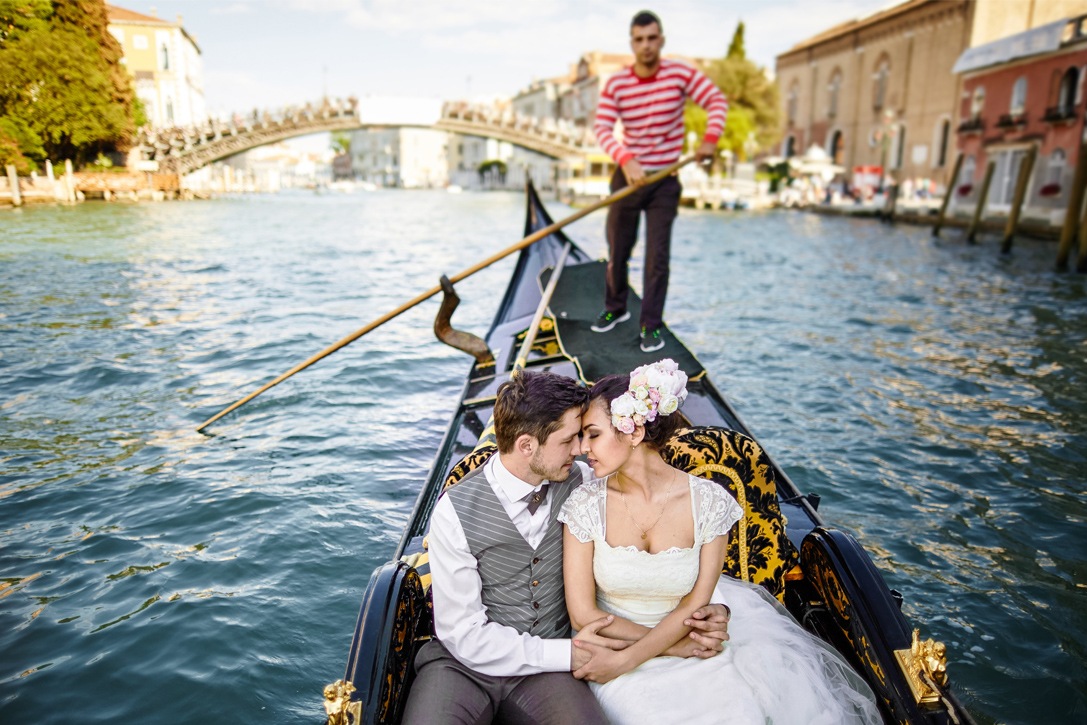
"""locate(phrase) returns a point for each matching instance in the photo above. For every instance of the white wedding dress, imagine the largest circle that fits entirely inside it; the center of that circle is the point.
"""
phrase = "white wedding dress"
(772, 672)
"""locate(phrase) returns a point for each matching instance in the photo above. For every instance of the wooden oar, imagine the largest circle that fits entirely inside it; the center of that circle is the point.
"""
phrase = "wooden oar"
(530, 239)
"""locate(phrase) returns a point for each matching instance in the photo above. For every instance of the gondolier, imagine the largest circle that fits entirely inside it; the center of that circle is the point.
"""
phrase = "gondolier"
(648, 98)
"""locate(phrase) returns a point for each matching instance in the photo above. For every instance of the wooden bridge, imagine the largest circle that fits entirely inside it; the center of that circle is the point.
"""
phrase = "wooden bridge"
(183, 150)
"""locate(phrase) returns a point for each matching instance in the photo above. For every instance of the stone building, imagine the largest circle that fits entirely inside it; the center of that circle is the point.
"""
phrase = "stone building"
(166, 66)
(878, 93)
(1023, 95)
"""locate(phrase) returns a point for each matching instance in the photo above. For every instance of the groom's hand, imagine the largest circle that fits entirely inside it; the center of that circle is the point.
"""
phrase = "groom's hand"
(709, 630)
(579, 657)
(603, 666)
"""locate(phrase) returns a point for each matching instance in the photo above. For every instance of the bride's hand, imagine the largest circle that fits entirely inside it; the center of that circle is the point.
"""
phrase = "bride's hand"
(591, 634)
(709, 626)
(605, 665)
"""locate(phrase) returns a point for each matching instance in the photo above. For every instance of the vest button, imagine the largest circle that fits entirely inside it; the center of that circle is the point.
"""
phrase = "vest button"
(536, 560)
(535, 605)
(536, 623)
(535, 582)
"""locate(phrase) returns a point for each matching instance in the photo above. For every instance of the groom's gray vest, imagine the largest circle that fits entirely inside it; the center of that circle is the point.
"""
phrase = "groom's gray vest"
(522, 587)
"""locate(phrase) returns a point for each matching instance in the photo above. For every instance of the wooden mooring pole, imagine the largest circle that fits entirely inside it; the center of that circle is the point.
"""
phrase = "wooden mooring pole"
(1026, 166)
(947, 195)
(13, 182)
(1081, 260)
(983, 195)
(1072, 211)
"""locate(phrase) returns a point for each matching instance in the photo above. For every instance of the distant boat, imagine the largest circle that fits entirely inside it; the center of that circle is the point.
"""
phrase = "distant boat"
(454, 189)
(345, 186)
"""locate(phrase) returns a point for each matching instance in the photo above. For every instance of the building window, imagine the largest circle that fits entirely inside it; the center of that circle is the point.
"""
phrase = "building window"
(165, 55)
(977, 102)
(879, 89)
(1005, 175)
(1066, 100)
(1055, 175)
(793, 102)
(899, 150)
(1019, 97)
(834, 88)
(835, 147)
(790, 147)
(169, 111)
(965, 181)
(943, 137)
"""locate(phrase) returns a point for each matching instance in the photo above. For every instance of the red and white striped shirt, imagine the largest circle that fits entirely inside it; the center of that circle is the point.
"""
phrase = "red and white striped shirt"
(652, 113)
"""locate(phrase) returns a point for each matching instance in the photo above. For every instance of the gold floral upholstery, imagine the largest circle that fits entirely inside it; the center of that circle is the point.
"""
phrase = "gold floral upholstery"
(758, 549)
(470, 462)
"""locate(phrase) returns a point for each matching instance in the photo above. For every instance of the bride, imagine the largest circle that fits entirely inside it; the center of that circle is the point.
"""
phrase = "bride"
(646, 542)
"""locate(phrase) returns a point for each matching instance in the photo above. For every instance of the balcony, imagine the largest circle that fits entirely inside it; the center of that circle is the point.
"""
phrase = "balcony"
(1059, 114)
(972, 125)
(1012, 120)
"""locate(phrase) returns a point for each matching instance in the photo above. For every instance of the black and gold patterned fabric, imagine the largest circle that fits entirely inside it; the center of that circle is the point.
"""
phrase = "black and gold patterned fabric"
(758, 549)
(470, 462)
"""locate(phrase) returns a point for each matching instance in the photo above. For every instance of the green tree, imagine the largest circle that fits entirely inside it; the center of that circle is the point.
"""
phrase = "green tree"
(63, 91)
(340, 142)
(736, 47)
(19, 16)
(753, 102)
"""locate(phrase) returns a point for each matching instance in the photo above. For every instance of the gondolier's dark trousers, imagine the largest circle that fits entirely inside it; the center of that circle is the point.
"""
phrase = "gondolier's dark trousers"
(660, 202)
(447, 692)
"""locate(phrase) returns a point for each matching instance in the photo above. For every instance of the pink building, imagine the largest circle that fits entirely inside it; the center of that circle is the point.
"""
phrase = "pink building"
(1021, 92)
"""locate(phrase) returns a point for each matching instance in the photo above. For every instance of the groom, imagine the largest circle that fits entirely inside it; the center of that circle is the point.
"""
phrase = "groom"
(502, 649)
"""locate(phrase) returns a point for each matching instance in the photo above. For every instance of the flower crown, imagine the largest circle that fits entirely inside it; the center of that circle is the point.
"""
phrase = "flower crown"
(655, 389)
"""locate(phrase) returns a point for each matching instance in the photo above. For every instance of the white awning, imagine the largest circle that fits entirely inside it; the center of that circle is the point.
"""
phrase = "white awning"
(1044, 39)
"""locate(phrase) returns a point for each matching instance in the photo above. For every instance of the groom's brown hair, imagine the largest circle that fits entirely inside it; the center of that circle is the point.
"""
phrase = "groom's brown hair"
(533, 403)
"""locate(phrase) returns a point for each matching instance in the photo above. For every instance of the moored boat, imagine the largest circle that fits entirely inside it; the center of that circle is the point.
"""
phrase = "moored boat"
(821, 574)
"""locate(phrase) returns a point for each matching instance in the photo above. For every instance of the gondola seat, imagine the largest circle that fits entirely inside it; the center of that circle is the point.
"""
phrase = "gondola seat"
(759, 550)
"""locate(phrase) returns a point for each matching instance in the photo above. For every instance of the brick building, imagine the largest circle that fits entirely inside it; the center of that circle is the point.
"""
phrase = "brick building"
(1023, 93)
(879, 91)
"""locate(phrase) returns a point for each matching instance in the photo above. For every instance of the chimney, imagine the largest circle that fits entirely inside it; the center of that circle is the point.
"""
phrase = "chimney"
(154, 12)
(179, 20)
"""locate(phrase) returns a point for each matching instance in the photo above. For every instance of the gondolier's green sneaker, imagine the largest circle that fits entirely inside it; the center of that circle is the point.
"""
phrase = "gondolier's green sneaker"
(651, 340)
(607, 320)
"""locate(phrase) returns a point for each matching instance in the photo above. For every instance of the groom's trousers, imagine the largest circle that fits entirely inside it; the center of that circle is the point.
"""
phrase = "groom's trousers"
(445, 691)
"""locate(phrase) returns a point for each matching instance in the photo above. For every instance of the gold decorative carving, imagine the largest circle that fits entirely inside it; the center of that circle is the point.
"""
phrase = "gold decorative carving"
(338, 705)
(925, 667)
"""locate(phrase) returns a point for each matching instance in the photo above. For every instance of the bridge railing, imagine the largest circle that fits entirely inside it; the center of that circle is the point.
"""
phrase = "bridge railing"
(560, 131)
(156, 142)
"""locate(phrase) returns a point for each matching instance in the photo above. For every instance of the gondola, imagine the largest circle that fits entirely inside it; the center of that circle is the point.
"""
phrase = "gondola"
(821, 574)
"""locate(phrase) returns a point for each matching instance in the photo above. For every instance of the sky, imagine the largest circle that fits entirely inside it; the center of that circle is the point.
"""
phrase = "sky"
(272, 53)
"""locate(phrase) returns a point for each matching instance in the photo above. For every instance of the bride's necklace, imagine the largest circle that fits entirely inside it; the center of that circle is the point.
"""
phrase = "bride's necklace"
(623, 498)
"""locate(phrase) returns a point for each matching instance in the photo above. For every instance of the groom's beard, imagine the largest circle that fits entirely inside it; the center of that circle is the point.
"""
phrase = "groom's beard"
(551, 474)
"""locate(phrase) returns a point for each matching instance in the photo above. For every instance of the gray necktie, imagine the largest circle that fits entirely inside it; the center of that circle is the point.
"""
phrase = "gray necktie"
(536, 498)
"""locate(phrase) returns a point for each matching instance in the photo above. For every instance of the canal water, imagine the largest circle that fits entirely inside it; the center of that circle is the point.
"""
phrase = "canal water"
(933, 393)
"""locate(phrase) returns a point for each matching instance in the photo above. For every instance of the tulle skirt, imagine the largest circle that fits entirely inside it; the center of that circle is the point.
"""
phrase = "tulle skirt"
(772, 672)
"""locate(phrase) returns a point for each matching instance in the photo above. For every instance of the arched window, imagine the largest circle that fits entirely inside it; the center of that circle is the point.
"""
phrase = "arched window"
(165, 54)
(1019, 96)
(793, 102)
(790, 147)
(1066, 99)
(835, 147)
(169, 110)
(943, 137)
(880, 82)
(977, 102)
(834, 88)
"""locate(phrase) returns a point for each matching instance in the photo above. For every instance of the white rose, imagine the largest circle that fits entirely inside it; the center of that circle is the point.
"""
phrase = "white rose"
(623, 406)
(668, 405)
(656, 378)
(640, 407)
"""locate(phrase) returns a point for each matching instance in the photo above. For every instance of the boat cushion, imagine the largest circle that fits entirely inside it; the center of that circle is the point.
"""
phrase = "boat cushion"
(759, 550)
(470, 462)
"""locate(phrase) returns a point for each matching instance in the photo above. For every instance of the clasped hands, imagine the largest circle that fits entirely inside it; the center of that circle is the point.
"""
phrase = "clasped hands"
(599, 658)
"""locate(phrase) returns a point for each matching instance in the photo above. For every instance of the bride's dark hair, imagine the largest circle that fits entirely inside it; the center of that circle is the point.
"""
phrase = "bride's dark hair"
(657, 433)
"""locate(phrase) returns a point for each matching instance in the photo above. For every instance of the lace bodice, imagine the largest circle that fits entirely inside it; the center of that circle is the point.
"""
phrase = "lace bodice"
(635, 584)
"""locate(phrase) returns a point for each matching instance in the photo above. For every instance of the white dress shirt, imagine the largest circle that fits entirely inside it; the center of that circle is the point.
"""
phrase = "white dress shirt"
(460, 618)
